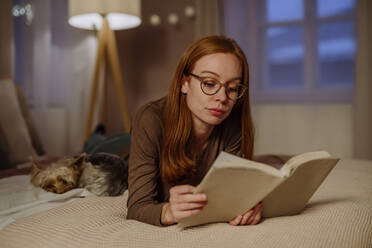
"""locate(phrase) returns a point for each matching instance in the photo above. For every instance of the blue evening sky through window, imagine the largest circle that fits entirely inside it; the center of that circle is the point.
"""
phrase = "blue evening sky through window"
(335, 41)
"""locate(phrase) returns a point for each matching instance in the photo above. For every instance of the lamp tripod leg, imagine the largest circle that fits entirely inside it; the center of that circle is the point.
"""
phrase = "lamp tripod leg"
(104, 107)
(108, 56)
(95, 84)
(113, 57)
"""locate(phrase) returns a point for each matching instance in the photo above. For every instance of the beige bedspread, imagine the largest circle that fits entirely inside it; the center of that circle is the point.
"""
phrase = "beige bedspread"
(338, 215)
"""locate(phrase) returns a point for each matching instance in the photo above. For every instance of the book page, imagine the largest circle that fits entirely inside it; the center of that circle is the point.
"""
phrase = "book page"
(232, 189)
(227, 160)
(292, 195)
(291, 165)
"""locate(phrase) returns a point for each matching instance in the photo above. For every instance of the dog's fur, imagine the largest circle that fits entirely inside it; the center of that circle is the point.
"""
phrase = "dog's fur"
(102, 174)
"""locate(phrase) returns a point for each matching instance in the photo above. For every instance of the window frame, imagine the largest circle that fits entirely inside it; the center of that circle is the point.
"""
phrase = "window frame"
(259, 71)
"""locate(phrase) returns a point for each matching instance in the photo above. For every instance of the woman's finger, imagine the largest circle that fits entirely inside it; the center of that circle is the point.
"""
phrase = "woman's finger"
(244, 220)
(189, 206)
(185, 198)
(236, 221)
(246, 217)
(249, 216)
(253, 217)
(193, 197)
(184, 214)
(257, 218)
(182, 189)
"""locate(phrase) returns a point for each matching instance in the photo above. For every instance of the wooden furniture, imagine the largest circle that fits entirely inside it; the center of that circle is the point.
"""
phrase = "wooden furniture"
(107, 57)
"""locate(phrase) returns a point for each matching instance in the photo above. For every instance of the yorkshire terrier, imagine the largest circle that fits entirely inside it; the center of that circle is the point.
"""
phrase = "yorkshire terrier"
(102, 174)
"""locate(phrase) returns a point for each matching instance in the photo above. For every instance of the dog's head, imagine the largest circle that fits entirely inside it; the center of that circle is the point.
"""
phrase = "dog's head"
(60, 176)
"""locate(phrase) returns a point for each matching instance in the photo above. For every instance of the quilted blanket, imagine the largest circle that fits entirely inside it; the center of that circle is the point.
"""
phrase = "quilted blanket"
(338, 215)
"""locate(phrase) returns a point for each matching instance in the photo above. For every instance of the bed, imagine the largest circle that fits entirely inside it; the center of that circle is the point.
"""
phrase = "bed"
(338, 215)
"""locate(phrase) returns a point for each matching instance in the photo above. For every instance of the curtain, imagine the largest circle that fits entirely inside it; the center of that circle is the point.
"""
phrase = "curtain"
(53, 65)
(363, 83)
(207, 20)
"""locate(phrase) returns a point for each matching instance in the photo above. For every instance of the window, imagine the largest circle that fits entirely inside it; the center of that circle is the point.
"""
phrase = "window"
(303, 50)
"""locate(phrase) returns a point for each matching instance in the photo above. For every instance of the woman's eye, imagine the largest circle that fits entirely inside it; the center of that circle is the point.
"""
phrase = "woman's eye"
(233, 89)
(209, 84)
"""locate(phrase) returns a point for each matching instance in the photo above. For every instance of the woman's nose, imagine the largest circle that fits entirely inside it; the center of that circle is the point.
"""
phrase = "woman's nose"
(221, 94)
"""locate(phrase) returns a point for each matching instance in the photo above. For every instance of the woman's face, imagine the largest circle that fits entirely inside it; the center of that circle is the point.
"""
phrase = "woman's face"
(210, 110)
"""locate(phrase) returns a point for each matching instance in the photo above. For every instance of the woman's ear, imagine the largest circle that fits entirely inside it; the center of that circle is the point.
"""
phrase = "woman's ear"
(185, 85)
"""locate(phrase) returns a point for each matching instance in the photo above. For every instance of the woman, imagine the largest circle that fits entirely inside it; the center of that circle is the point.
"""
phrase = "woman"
(175, 140)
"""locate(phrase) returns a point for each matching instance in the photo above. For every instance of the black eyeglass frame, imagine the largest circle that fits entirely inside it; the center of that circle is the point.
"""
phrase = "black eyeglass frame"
(244, 88)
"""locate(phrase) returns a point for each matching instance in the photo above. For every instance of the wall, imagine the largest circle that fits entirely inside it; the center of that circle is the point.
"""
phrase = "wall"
(293, 129)
(363, 82)
(6, 39)
(149, 56)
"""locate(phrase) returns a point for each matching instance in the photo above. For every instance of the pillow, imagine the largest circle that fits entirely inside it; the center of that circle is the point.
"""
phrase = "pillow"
(16, 138)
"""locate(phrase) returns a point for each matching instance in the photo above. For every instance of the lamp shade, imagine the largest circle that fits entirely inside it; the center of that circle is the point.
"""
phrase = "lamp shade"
(121, 14)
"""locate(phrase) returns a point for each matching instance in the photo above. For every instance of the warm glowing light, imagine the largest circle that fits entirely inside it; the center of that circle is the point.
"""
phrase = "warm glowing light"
(117, 21)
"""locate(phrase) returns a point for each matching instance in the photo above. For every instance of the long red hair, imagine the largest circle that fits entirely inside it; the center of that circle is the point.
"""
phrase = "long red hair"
(177, 158)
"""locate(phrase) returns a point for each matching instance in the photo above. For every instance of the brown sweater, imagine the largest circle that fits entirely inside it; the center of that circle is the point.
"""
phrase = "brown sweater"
(147, 192)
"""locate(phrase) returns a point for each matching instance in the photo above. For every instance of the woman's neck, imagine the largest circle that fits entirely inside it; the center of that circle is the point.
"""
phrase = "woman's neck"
(201, 135)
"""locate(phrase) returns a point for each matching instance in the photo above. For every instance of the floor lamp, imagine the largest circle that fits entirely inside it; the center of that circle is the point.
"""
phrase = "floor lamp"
(105, 16)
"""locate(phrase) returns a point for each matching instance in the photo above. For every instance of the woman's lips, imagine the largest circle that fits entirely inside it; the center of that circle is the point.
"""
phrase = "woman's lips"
(216, 111)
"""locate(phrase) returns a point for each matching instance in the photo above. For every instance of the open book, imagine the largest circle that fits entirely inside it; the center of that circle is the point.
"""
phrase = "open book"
(234, 185)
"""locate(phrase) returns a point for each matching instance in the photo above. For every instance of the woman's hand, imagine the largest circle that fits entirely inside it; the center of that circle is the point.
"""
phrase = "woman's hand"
(252, 217)
(182, 203)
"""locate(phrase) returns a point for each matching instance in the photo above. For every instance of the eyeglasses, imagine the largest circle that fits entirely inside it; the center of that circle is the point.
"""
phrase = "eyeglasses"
(210, 86)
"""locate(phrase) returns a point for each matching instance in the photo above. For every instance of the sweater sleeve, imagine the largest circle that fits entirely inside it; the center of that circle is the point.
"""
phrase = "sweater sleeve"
(144, 172)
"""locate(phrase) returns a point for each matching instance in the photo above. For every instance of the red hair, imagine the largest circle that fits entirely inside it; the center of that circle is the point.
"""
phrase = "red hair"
(177, 157)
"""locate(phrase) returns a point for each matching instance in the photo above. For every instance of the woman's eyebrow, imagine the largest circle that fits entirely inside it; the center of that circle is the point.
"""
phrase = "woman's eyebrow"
(211, 72)
(216, 74)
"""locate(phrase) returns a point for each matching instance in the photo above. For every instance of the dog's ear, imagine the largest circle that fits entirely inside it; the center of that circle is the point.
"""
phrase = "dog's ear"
(35, 166)
(79, 162)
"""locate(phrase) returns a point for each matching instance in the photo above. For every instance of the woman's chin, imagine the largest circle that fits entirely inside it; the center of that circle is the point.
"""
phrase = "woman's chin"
(215, 120)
